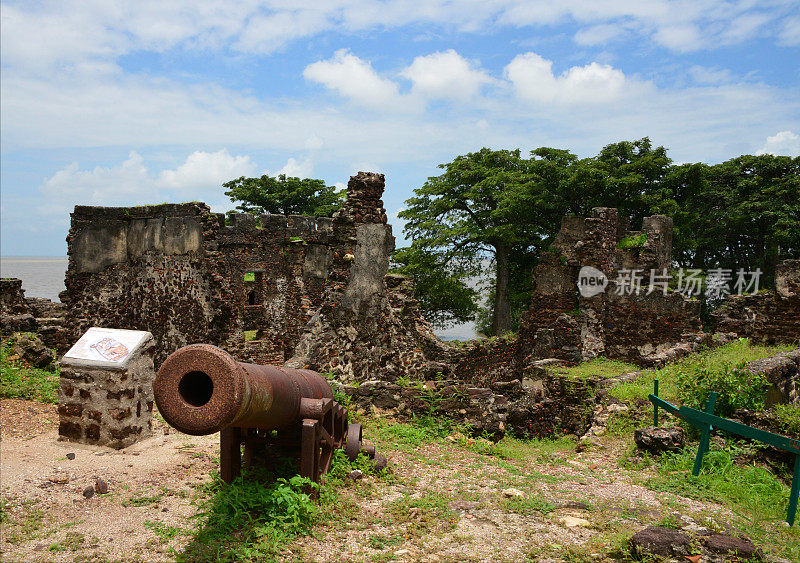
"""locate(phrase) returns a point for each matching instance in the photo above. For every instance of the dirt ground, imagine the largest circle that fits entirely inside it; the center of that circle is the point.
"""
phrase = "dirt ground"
(444, 502)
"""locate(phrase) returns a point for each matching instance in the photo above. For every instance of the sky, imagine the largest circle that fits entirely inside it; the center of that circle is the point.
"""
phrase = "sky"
(127, 103)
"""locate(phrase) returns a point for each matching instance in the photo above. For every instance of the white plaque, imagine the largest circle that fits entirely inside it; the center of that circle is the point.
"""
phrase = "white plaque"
(105, 347)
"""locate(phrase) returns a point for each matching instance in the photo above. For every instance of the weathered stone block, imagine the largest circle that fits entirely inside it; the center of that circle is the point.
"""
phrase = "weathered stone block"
(112, 370)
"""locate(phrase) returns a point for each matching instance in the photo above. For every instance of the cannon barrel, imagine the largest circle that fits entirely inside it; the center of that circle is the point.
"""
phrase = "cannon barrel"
(200, 389)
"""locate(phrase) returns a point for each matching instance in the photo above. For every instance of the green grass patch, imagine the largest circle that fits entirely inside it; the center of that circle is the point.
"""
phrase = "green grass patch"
(423, 515)
(20, 382)
(598, 367)
(527, 505)
(788, 417)
(261, 512)
(22, 521)
(72, 541)
(164, 532)
(757, 498)
(142, 500)
(669, 376)
(539, 449)
(410, 435)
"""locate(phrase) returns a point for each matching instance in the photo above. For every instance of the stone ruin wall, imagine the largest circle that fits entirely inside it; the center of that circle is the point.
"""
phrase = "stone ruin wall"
(769, 316)
(622, 326)
(320, 296)
(32, 314)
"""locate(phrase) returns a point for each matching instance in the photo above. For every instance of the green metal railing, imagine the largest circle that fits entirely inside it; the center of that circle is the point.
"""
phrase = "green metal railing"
(706, 421)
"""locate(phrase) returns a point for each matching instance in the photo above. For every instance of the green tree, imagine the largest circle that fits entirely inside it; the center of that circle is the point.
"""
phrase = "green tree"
(480, 209)
(284, 195)
(741, 213)
(439, 285)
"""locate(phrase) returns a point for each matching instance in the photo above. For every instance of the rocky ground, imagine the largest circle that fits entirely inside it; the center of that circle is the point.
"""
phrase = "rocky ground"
(450, 499)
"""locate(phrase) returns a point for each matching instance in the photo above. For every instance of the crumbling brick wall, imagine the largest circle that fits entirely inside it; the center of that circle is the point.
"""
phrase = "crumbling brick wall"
(15, 315)
(267, 289)
(612, 323)
(768, 316)
(154, 268)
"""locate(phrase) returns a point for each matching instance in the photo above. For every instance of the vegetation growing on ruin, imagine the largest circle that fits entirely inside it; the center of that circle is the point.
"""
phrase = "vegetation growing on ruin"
(738, 387)
(632, 241)
(788, 417)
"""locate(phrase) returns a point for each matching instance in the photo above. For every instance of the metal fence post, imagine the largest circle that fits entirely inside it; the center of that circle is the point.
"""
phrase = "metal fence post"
(655, 406)
(705, 435)
(790, 512)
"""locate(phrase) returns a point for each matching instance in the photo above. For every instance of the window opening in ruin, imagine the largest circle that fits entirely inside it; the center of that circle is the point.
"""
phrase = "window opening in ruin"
(253, 304)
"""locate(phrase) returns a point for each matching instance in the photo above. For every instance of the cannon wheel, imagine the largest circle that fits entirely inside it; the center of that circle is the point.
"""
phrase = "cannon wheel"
(353, 445)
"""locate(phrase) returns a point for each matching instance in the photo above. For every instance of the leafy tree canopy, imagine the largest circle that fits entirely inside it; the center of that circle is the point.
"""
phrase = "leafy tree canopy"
(479, 209)
(497, 206)
(284, 195)
(439, 284)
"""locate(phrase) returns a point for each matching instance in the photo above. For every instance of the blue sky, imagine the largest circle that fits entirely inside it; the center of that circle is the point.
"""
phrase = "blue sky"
(110, 104)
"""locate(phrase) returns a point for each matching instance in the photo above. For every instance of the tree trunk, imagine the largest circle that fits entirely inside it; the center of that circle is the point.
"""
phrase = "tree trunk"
(501, 318)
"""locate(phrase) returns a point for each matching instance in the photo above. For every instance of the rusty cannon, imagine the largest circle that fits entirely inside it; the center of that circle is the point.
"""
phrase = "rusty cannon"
(200, 389)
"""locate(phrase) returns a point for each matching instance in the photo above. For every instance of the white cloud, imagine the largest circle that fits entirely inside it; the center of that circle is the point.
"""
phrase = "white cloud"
(355, 79)
(706, 75)
(790, 34)
(681, 37)
(784, 143)
(127, 183)
(74, 31)
(203, 170)
(265, 33)
(199, 178)
(599, 34)
(299, 169)
(533, 79)
(445, 75)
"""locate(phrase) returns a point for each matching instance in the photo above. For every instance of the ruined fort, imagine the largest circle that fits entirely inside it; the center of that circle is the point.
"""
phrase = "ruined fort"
(316, 293)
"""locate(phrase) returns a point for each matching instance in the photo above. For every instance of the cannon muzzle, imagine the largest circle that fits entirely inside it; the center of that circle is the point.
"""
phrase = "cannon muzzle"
(200, 389)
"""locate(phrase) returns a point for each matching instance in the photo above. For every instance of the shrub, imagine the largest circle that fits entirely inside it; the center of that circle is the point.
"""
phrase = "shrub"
(738, 388)
(632, 241)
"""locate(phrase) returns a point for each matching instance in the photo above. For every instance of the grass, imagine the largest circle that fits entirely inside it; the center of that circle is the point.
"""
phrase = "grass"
(24, 523)
(756, 496)
(598, 367)
(142, 500)
(731, 354)
(164, 532)
(263, 511)
(527, 505)
(72, 541)
(423, 515)
(408, 436)
(18, 381)
(788, 416)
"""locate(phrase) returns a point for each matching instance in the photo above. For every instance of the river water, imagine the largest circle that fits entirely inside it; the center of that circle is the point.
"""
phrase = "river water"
(42, 276)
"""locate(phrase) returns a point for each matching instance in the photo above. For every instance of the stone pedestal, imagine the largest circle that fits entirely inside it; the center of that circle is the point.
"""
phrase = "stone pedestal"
(106, 393)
